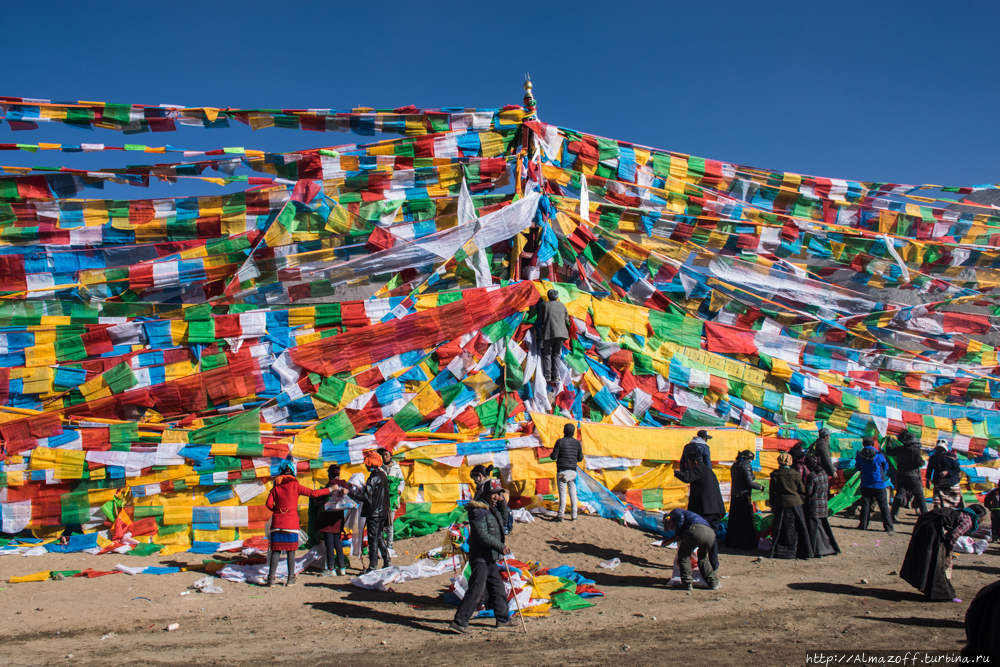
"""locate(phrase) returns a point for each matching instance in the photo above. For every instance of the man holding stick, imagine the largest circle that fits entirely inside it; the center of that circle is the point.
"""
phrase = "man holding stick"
(486, 547)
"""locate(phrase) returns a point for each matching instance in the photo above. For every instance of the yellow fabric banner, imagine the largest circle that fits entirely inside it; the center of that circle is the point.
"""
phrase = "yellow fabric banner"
(639, 442)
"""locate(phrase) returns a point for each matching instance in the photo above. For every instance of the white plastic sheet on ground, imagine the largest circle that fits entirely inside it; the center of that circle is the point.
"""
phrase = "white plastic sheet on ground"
(257, 574)
(379, 580)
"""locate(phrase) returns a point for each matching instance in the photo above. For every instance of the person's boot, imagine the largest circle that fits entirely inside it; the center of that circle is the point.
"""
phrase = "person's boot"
(290, 581)
(270, 580)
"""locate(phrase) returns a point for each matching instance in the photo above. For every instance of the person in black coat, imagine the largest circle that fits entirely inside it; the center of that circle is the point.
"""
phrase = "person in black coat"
(487, 547)
(567, 452)
(945, 476)
(928, 560)
(705, 498)
(741, 533)
(981, 623)
(909, 460)
(374, 499)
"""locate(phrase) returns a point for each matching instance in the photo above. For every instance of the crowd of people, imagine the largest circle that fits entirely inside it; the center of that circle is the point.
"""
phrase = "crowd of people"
(798, 493)
(375, 501)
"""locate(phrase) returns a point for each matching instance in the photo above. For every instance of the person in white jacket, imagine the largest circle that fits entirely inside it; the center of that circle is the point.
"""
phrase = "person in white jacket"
(392, 469)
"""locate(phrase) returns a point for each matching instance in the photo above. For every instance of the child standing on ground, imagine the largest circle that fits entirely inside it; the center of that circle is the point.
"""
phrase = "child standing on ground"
(283, 500)
(330, 525)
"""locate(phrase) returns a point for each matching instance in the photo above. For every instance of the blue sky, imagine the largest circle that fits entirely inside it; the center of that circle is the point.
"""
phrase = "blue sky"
(887, 91)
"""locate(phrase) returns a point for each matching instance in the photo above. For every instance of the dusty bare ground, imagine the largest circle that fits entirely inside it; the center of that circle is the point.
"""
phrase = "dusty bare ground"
(766, 613)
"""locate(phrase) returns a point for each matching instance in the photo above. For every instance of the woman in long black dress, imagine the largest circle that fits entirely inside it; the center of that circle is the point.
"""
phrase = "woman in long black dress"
(741, 532)
(789, 532)
(818, 509)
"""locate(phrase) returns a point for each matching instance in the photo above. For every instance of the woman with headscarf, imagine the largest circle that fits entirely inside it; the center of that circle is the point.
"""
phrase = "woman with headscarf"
(789, 533)
(741, 532)
(817, 508)
(928, 560)
(283, 500)
(799, 461)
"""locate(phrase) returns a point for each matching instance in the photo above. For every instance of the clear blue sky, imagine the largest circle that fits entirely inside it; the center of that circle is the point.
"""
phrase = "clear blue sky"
(888, 91)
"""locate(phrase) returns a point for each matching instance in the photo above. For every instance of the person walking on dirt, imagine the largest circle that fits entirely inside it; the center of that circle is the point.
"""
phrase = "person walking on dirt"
(945, 476)
(283, 500)
(909, 460)
(692, 533)
(552, 329)
(568, 452)
(486, 547)
(873, 468)
(374, 499)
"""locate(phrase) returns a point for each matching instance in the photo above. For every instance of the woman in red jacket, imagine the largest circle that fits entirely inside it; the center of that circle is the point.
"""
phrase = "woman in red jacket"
(284, 502)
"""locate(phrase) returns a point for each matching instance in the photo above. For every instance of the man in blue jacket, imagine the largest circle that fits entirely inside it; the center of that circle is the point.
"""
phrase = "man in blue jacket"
(873, 468)
(692, 532)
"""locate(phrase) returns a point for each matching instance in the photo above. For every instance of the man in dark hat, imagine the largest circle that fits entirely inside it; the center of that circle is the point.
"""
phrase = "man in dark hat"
(479, 474)
(486, 548)
(552, 330)
(821, 450)
(909, 462)
(697, 449)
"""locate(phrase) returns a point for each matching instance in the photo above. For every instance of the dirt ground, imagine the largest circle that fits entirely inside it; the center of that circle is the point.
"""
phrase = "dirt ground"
(766, 612)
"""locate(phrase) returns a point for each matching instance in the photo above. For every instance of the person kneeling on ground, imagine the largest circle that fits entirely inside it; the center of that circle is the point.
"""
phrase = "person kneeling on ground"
(567, 452)
(692, 532)
(486, 548)
(928, 560)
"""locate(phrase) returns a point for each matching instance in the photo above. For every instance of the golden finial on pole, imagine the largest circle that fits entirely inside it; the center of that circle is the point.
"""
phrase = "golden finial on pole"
(529, 99)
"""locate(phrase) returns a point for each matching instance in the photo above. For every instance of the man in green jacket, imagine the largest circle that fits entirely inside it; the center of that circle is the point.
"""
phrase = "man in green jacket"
(486, 546)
